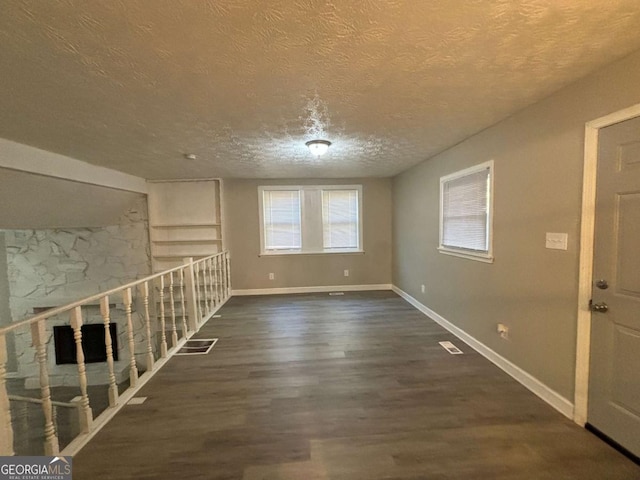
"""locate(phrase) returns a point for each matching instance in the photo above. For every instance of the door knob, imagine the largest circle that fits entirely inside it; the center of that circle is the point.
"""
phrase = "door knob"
(602, 284)
(598, 307)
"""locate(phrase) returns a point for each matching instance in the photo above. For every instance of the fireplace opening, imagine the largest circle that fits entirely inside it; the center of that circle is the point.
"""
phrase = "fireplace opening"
(95, 351)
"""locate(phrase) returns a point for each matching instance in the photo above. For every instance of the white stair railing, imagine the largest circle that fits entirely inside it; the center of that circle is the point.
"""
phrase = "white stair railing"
(194, 292)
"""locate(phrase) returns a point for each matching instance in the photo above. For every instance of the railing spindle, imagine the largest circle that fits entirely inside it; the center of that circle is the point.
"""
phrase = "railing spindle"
(133, 369)
(206, 287)
(214, 272)
(147, 325)
(182, 304)
(190, 290)
(220, 280)
(222, 277)
(163, 333)
(39, 338)
(214, 282)
(196, 268)
(106, 317)
(223, 271)
(6, 429)
(86, 416)
(212, 286)
(174, 332)
(227, 264)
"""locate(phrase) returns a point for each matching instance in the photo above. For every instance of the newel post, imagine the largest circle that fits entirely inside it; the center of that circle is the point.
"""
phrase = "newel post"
(6, 429)
(227, 263)
(190, 292)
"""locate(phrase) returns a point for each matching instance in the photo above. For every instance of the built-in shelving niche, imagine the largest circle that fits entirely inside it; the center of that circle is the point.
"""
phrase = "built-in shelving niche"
(185, 220)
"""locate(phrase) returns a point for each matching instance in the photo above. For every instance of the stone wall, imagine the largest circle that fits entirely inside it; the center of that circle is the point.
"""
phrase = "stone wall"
(64, 265)
(50, 268)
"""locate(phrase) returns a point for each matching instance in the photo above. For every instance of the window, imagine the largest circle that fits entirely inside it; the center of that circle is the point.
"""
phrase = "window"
(282, 222)
(340, 219)
(310, 219)
(466, 213)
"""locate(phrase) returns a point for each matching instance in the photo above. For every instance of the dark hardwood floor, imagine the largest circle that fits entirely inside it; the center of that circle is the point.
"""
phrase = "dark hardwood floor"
(313, 387)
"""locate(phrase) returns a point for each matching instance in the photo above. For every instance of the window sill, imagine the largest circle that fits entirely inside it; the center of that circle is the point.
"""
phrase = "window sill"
(478, 257)
(321, 252)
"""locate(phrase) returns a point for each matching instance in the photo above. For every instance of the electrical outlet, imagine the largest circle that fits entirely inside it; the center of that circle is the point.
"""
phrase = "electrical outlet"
(346, 273)
(272, 276)
(503, 330)
(422, 288)
(556, 241)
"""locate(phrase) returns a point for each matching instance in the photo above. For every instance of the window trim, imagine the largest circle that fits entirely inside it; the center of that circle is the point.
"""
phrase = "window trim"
(487, 256)
(303, 219)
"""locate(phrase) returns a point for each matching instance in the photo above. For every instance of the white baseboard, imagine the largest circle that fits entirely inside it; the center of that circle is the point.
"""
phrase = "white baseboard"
(319, 289)
(550, 396)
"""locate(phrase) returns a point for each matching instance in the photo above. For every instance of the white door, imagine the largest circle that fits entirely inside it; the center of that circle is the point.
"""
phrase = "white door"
(614, 378)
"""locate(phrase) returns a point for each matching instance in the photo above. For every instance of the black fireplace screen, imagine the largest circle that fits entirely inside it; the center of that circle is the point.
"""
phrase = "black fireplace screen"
(93, 346)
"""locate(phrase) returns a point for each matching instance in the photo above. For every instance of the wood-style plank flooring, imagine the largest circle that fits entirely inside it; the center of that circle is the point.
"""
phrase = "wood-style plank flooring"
(353, 387)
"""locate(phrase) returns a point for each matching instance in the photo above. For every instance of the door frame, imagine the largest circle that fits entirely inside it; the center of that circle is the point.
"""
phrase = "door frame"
(585, 275)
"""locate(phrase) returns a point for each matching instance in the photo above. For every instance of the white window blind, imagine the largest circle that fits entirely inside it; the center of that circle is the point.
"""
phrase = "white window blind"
(465, 211)
(281, 214)
(340, 219)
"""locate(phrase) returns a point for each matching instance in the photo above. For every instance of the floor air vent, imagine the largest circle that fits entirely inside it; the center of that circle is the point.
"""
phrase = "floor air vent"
(451, 348)
(200, 346)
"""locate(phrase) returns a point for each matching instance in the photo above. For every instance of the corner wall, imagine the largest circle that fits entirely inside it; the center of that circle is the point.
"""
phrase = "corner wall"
(538, 156)
(251, 271)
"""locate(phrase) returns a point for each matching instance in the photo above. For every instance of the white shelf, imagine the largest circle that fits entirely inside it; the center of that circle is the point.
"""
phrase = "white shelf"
(187, 242)
(186, 225)
(170, 257)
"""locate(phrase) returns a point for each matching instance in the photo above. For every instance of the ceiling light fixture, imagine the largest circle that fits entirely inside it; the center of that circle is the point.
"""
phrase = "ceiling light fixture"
(318, 147)
(190, 156)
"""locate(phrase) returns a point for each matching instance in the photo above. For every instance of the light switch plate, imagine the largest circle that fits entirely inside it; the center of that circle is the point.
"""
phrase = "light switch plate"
(557, 241)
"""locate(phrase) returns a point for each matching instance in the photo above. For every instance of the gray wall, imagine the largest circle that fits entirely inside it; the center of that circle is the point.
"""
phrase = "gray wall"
(32, 201)
(538, 155)
(249, 270)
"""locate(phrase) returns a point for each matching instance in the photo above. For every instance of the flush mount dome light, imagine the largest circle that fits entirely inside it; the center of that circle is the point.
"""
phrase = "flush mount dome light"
(318, 147)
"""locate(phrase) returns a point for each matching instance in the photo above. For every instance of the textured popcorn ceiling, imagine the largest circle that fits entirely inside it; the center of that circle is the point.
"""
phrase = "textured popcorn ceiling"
(134, 84)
